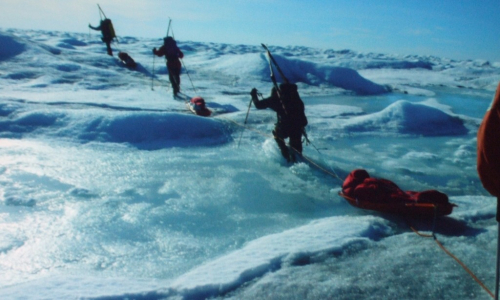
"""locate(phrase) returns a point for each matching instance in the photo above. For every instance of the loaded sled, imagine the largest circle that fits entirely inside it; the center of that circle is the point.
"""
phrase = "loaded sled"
(128, 61)
(198, 107)
(363, 191)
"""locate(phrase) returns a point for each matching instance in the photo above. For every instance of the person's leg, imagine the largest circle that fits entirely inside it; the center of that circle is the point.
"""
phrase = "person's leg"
(279, 137)
(108, 48)
(296, 141)
(178, 82)
(296, 144)
(174, 78)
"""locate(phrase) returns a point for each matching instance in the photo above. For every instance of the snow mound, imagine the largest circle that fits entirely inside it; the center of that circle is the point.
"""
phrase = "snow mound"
(9, 46)
(143, 130)
(409, 118)
(156, 130)
(255, 66)
(297, 246)
(316, 73)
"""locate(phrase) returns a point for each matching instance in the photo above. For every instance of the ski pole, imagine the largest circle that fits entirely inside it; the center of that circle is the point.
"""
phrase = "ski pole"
(169, 22)
(246, 118)
(153, 76)
(188, 74)
(249, 106)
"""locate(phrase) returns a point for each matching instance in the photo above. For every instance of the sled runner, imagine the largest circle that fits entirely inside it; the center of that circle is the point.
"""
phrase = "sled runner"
(363, 191)
(198, 107)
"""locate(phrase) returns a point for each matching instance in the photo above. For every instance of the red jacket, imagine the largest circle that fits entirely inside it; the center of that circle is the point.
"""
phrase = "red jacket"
(488, 148)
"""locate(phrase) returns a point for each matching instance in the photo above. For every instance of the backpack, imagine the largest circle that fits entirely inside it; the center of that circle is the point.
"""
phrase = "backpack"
(290, 98)
(108, 31)
(171, 49)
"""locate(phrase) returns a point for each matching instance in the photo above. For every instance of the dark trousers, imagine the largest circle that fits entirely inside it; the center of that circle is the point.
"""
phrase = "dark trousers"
(295, 141)
(108, 46)
(174, 75)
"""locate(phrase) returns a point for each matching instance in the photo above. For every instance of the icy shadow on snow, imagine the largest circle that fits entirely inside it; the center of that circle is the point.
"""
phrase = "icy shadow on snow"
(447, 225)
(71, 43)
(222, 108)
(26, 123)
(139, 68)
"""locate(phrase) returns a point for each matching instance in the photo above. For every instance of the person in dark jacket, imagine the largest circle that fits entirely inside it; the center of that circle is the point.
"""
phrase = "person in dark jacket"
(291, 118)
(107, 31)
(173, 55)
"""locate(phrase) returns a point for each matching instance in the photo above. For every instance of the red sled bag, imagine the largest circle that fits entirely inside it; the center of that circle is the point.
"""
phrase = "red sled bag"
(198, 106)
(383, 195)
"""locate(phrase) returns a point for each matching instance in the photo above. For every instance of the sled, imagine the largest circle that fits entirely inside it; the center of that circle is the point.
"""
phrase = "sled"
(128, 61)
(197, 106)
(362, 191)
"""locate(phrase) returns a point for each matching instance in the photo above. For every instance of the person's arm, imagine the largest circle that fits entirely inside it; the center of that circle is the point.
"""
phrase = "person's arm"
(262, 104)
(159, 52)
(95, 28)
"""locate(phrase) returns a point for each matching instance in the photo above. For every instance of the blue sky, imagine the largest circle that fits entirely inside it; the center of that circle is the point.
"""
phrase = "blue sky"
(456, 29)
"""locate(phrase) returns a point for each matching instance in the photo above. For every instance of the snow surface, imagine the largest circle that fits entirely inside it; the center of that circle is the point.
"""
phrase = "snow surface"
(111, 189)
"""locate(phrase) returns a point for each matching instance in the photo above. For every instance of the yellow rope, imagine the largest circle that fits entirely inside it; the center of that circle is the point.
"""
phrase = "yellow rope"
(456, 259)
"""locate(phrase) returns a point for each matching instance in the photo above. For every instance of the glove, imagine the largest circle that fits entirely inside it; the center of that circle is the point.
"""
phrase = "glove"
(253, 93)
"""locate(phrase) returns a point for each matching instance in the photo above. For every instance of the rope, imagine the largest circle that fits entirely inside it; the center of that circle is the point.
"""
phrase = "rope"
(182, 61)
(153, 75)
(433, 235)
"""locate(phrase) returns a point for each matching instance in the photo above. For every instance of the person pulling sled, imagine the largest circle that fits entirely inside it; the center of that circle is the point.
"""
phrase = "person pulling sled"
(108, 33)
(173, 55)
(291, 119)
(107, 30)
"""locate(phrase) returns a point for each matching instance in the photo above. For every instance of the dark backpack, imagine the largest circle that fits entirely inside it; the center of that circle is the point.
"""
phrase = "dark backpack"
(294, 107)
(107, 29)
(171, 49)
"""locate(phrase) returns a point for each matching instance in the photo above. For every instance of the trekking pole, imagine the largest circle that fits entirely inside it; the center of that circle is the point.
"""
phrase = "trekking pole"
(188, 73)
(249, 106)
(246, 118)
(153, 76)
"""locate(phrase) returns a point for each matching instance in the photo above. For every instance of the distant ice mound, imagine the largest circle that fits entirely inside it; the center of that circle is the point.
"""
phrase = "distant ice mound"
(255, 66)
(409, 118)
(9, 46)
(315, 74)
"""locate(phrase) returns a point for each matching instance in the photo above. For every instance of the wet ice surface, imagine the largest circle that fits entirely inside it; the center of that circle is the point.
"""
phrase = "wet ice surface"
(111, 189)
